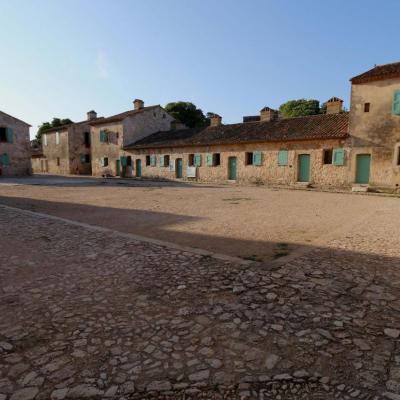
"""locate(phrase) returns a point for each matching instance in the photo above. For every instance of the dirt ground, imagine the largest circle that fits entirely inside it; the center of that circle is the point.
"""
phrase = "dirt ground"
(255, 223)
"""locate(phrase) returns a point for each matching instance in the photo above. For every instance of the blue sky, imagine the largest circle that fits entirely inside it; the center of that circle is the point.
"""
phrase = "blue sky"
(61, 58)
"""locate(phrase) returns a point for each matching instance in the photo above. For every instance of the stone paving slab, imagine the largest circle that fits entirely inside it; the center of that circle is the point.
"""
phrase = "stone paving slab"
(86, 313)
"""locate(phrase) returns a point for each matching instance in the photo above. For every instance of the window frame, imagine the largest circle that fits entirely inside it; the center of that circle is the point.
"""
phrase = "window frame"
(3, 137)
(367, 107)
(147, 160)
(191, 160)
(216, 159)
(248, 160)
(324, 158)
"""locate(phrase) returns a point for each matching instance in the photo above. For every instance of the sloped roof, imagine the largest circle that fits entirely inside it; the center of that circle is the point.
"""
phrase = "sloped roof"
(20, 120)
(66, 126)
(121, 116)
(323, 126)
(379, 72)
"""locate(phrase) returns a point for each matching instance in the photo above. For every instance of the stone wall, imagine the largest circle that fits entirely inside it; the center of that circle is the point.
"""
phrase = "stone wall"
(77, 148)
(376, 132)
(57, 155)
(269, 172)
(19, 150)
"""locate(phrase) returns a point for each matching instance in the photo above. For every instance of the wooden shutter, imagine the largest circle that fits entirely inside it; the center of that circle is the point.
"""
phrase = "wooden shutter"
(209, 160)
(162, 161)
(197, 160)
(9, 135)
(153, 161)
(6, 159)
(102, 136)
(57, 137)
(396, 102)
(257, 158)
(338, 156)
(283, 157)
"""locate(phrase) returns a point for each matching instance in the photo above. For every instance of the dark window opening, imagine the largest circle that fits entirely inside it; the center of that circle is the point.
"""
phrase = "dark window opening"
(191, 160)
(3, 135)
(216, 159)
(366, 107)
(87, 158)
(58, 161)
(129, 161)
(328, 156)
(105, 162)
(164, 116)
(166, 161)
(249, 158)
(86, 139)
(147, 161)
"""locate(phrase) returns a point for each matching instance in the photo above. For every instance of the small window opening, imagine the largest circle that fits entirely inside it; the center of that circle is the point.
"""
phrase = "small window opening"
(166, 161)
(191, 160)
(3, 135)
(105, 162)
(87, 158)
(366, 107)
(147, 161)
(86, 139)
(249, 158)
(164, 116)
(216, 159)
(58, 161)
(398, 155)
(129, 161)
(328, 156)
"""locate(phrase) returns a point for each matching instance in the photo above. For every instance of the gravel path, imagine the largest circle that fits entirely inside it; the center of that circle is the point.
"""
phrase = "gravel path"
(91, 314)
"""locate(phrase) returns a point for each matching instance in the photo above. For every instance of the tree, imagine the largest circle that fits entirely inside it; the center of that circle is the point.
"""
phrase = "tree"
(299, 108)
(56, 122)
(187, 113)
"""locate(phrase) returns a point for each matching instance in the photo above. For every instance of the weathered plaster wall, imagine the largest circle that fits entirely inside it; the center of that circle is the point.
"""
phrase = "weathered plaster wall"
(77, 147)
(52, 151)
(268, 172)
(19, 150)
(376, 132)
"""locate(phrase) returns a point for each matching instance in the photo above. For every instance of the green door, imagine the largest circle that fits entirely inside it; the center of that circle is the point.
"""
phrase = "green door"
(304, 168)
(138, 168)
(178, 168)
(232, 166)
(118, 167)
(362, 168)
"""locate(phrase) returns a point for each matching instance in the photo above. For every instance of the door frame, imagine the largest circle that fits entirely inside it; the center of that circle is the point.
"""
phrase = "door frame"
(118, 167)
(138, 168)
(299, 169)
(356, 169)
(176, 168)
(229, 168)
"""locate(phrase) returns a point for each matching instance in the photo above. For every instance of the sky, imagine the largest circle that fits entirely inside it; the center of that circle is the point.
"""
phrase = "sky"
(62, 58)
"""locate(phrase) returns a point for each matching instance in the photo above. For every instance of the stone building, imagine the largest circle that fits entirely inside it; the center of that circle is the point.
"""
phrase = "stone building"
(14, 146)
(67, 149)
(375, 126)
(110, 135)
(303, 150)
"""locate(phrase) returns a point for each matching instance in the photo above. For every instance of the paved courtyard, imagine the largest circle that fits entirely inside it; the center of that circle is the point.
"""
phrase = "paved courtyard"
(92, 313)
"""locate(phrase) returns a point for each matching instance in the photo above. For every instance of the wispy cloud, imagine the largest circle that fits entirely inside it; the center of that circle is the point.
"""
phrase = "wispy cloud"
(102, 65)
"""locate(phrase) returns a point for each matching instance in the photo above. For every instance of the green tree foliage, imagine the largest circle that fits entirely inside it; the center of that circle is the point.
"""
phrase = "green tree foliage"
(299, 108)
(187, 113)
(53, 124)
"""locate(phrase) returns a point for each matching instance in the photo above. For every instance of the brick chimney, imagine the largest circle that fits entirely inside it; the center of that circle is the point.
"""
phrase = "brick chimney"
(138, 104)
(268, 114)
(215, 120)
(334, 106)
(91, 115)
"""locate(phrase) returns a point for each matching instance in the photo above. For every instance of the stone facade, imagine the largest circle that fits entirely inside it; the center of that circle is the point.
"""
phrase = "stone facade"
(375, 130)
(14, 146)
(269, 172)
(120, 131)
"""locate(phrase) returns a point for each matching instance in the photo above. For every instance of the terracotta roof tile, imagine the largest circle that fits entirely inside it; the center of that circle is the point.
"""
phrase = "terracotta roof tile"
(324, 126)
(379, 72)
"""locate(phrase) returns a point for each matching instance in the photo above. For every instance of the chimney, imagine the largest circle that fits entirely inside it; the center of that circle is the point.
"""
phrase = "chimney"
(138, 104)
(91, 115)
(268, 114)
(334, 105)
(215, 120)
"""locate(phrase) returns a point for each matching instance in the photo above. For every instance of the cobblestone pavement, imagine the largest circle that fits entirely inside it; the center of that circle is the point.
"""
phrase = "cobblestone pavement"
(87, 313)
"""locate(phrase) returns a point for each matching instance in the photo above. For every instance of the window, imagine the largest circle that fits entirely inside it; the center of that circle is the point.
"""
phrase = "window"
(216, 159)
(103, 136)
(283, 157)
(129, 161)
(398, 155)
(249, 159)
(86, 139)
(105, 162)
(164, 116)
(197, 160)
(3, 135)
(57, 137)
(147, 161)
(45, 140)
(328, 156)
(153, 161)
(338, 156)
(257, 158)
(87, 158)
(396, 103)
(4, 159)
(166, 161)
(366, 107)
(191, 160)
(58, 161)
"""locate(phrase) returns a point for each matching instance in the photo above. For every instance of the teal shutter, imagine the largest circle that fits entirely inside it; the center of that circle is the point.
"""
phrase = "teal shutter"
(153, 161)
(124, 161)
(82, 158)
(396, 103)
(338, 156)
(257, 158)
(209, 160)
(283, 157)
(6, 159)
(103, 136)
(9, 135)
(197, 160)
(162, 161)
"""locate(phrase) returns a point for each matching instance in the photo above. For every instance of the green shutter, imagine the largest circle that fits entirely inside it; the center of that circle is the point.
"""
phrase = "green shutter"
(162, 161)
(82, 158)
(257, 158)
(6, 159)
(338, 156)
(9, 135)
(283, 157)
(124, 161)
(153, 161)
(209, 160)
(103, 136)
(396, 103)
(197, 160)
